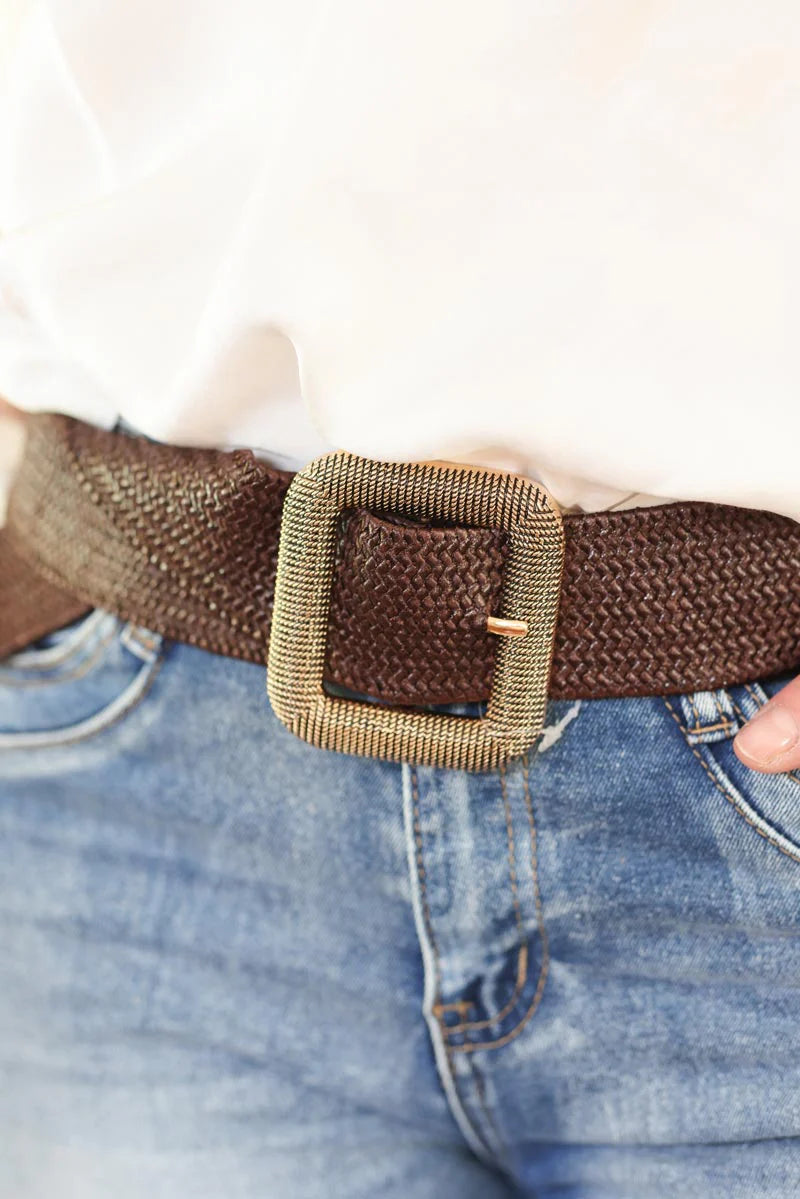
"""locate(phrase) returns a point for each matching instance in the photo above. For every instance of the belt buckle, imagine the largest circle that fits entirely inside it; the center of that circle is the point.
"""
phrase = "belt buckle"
(439, 492)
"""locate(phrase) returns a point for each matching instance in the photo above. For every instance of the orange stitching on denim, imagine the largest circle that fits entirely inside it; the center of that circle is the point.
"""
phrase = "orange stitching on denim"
(723, 717)
(699, 727)
(428, 922)
(708, 728)
(154, 667)
(462, 1006)
(730, 798)
(791, 775)
(512, 853)
(68, 676)
(522, 952)
(544, 969)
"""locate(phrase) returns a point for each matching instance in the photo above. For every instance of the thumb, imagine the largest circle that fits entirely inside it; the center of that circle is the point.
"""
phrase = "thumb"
(770, 741)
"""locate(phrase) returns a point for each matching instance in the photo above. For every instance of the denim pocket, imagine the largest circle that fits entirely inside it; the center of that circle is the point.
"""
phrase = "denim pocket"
(709, 720)
(76, 682)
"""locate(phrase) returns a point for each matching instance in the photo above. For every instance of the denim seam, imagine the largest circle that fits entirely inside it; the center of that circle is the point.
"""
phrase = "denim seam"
(723, 718)
(739, 711)
(93, 725)
(54, 656)
(69, 676)
(724, 724)
(140, 642)
(522, 951)
(698, 730)
(475, 1138)
(512, 1034)
(423, 887)
(795, 857)
(491, 1130)
(760, 702)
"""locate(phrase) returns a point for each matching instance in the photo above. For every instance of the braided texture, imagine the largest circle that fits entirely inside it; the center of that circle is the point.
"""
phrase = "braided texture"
(184, 541)
(29, 608)
(388, 628)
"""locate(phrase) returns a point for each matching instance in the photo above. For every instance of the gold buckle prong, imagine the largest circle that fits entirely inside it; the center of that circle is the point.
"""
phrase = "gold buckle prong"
(506, 628)
(450, 494)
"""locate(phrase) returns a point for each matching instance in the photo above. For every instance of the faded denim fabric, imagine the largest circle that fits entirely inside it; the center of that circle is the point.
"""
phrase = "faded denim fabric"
(235, 966)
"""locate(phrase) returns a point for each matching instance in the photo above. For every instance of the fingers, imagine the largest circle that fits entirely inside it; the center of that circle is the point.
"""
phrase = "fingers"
(770, 742)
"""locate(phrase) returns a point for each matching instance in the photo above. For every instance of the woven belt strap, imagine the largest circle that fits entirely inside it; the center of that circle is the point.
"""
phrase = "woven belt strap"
(184, 541)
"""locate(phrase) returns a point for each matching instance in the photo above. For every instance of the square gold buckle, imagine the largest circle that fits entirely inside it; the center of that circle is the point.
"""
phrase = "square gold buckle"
(420, 491)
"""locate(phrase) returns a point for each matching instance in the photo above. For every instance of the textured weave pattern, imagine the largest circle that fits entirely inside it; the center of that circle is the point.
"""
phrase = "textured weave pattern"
(390, 584)
(29, 607)
(654, 601)
(302, 632)
(180, 540)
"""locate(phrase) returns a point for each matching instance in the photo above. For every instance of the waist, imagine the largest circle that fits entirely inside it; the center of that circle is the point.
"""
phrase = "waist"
(655, 600)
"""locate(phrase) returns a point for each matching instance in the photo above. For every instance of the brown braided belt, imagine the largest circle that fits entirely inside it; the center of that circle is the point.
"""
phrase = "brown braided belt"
(185, 542)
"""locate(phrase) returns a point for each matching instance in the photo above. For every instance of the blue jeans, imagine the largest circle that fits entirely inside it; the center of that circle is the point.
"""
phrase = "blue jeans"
(234, 966)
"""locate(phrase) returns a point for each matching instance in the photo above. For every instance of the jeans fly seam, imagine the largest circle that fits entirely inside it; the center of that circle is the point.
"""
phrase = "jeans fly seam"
(795, 857)
(500, 1147)
(464, 1121)
(423, 886)
(522, 944)
(544, 969)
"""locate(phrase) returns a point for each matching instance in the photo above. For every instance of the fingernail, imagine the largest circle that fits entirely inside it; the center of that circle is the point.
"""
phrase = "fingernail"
(768, 735)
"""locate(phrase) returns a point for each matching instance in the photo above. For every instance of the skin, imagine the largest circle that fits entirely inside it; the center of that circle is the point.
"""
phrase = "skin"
(770, 742)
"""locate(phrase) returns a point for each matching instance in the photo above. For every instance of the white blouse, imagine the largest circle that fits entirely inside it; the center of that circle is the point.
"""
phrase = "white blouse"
(557, 235)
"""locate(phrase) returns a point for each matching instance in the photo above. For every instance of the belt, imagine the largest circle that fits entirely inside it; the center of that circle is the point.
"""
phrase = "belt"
(394, 581)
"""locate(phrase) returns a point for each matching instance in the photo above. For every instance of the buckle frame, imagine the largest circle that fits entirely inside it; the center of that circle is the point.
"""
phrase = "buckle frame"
(441, 492)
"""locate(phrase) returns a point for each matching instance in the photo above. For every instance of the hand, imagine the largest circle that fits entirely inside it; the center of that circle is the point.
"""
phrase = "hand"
(770, 741)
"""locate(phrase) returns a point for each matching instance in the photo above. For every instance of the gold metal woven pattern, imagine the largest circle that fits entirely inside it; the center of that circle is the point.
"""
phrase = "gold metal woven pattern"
(420, 491)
